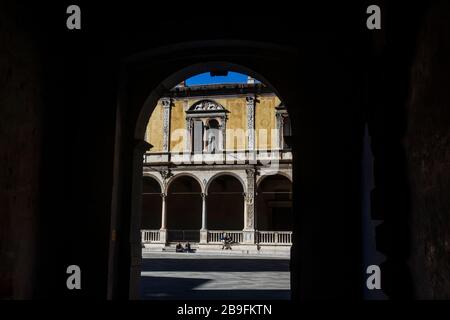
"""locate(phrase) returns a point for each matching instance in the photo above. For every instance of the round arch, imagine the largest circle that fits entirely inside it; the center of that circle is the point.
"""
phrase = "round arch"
(152, 176)
(184, 174)
(225, 202)
(274, 203)
(265, 176)
(184, 207)
(151, 203)
(210, 180)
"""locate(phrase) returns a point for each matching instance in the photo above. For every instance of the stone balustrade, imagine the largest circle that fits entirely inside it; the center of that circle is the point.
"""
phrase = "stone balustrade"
(283, 238)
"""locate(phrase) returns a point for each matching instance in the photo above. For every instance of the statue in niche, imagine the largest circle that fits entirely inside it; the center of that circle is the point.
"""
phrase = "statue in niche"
(212, 144)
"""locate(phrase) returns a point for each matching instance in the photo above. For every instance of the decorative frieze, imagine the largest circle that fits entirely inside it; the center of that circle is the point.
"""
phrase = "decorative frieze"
(206, 105)
(167, 104)
(251, 121)
(249, 197)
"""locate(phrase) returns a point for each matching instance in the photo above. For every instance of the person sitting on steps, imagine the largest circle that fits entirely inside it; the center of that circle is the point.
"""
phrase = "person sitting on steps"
(227, 241)
(179, 247)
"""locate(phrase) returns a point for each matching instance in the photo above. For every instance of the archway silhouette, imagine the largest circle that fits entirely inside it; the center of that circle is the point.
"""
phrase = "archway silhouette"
(185, 226)
(130, 250)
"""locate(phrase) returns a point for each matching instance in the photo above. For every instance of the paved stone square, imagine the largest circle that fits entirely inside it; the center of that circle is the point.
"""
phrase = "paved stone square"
(194, 276)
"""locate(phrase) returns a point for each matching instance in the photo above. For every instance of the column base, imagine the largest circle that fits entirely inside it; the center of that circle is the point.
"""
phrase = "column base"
(163, 236)
(249, 236)
(203, 236)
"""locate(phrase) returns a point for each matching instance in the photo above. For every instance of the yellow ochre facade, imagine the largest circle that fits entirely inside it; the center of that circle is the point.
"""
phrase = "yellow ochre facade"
(236, 138)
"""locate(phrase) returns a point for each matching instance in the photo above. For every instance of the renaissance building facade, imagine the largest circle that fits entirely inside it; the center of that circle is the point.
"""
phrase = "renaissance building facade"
(220, 164)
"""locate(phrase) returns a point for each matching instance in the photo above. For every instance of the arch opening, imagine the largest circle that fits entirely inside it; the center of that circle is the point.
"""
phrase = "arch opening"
(274, 203)
(151, 203)
(225, 203)
(184, 203)
(209, 143)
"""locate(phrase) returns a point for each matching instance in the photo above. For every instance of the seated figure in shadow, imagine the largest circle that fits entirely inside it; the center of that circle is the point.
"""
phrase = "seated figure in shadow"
(227, 241)
(179, 247)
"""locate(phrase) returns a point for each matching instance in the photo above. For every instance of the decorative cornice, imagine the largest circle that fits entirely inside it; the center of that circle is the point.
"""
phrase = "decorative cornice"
(218, 90)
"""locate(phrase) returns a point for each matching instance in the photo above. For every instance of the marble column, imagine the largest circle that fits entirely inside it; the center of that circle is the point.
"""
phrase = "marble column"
(204, 229)
(163, 230)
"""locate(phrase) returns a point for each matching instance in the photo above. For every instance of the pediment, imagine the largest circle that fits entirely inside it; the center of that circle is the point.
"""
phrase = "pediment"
(206, 106)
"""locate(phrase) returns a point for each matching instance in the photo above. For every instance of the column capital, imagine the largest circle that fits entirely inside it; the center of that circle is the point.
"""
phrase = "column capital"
(250, 99)
(163, 195)
(204, 195)
(166, 174)
(166, 102)
(250, 173)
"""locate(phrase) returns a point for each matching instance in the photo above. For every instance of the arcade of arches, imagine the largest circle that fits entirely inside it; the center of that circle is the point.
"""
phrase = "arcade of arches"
(189, 210)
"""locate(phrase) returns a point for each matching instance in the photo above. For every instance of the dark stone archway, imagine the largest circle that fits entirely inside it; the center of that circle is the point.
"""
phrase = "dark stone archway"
(144, 101)
(67, 83)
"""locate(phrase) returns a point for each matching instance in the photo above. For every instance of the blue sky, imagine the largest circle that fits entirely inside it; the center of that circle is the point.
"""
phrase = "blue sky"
(205, 78)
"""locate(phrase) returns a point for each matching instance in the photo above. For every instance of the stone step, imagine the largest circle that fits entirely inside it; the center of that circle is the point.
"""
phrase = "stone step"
(236, 249)
(171, 247)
